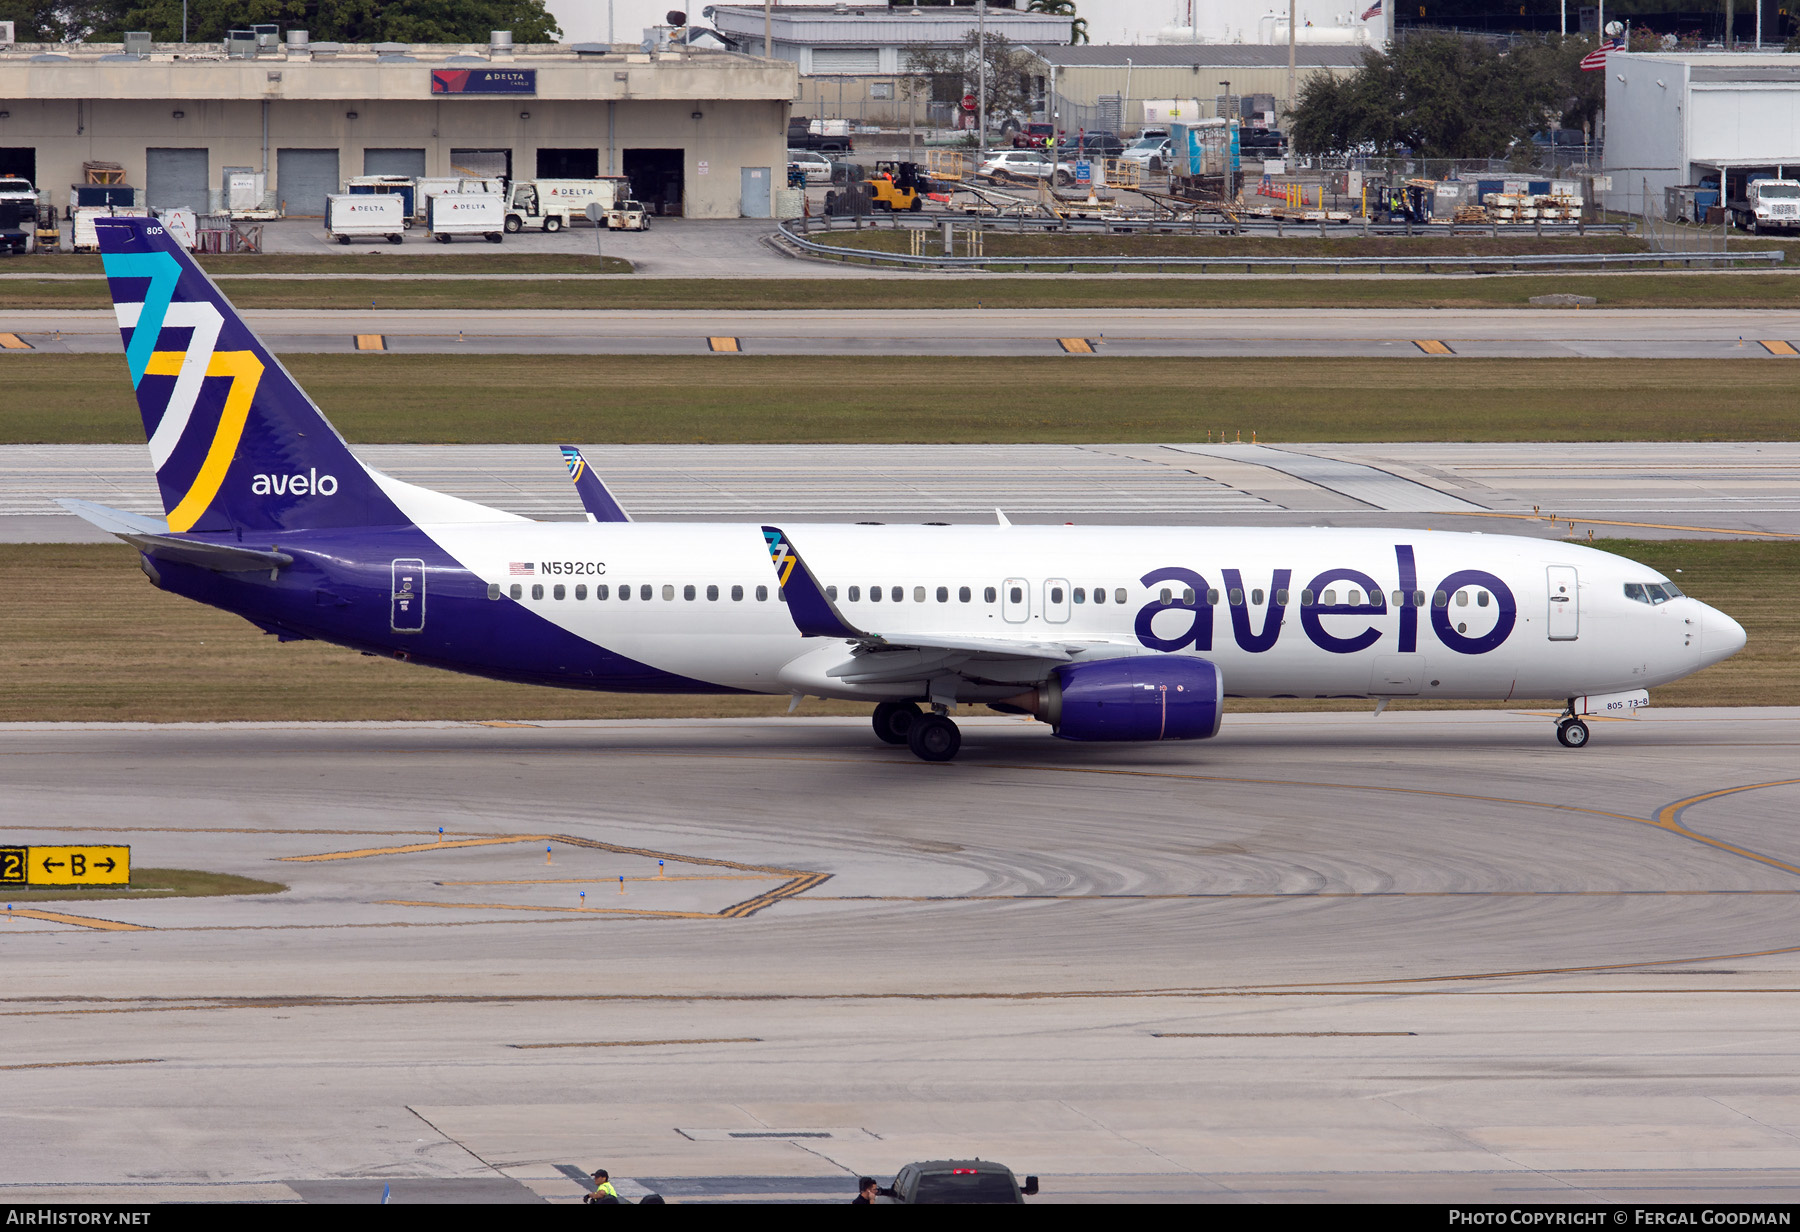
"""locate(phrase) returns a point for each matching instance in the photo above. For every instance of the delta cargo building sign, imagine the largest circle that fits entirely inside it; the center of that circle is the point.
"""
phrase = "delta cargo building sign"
(484, 81)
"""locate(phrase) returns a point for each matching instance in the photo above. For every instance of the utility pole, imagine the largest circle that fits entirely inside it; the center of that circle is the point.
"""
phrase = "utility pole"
(1291, 37)
(980, 77)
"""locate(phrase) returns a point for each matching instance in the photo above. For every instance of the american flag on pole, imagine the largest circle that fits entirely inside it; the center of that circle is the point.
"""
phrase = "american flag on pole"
(519, 568)
(1374, 10)
(1595, 60)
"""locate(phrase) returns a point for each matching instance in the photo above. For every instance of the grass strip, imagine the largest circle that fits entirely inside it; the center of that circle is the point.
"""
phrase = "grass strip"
(1708, 290)
(148, 883)
(497, 399)
(457, 259)
(89, 639)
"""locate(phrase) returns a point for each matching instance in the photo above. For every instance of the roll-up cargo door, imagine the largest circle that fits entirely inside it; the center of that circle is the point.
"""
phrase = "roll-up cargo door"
(176, 178)
(394, 162)
(302, 180)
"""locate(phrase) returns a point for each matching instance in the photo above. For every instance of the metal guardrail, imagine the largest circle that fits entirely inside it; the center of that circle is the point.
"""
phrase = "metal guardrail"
(1774, 256)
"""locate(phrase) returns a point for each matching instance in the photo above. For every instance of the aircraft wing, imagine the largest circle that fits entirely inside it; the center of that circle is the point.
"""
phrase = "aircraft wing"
(151, 536)
(875, 657)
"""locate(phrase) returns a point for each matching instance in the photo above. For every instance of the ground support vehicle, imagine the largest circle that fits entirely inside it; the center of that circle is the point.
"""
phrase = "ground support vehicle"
(1034, 137)
(448, 215)
(400, 185)
(1207, 164)
(893, 186)
(1768, 206)
(351, 216)
(551, 205)
(425, 186)
(935, 1182)
(626, 215)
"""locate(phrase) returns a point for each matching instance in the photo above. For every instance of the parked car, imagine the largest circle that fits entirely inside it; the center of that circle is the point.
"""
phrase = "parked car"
(1095, 143)
(815, 165)
(1018, 165)
(1150, 153)
(944, 1181)
(1033, 136)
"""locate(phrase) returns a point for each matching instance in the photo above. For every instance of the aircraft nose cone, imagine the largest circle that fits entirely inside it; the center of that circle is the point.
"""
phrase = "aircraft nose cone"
(1720, 635)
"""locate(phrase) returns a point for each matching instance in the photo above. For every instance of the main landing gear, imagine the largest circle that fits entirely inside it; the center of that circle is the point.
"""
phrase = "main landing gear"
(931, 737)
(1571, 732)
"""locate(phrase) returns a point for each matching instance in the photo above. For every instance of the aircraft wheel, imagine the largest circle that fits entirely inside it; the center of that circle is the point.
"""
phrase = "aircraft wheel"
(1572, 733)
(934, 738)
(893, 720)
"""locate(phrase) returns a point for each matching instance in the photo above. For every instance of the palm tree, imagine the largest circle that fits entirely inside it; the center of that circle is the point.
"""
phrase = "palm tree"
(1078, 28)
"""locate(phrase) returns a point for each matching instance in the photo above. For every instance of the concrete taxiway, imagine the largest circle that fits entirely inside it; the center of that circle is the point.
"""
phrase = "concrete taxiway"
(1660, 490)
(1430, 955)
(1428, 334)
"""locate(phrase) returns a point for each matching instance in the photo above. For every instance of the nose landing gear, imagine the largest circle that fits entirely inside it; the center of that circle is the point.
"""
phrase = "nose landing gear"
(1571, 732)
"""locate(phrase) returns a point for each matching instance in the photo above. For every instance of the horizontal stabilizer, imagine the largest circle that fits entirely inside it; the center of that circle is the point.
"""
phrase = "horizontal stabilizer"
(151, 536)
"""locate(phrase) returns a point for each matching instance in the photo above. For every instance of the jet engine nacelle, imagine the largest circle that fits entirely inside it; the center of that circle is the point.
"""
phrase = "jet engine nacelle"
(1133, 699)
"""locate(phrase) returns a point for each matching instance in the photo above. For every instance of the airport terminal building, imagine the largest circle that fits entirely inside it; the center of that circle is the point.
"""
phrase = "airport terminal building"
(700, 133)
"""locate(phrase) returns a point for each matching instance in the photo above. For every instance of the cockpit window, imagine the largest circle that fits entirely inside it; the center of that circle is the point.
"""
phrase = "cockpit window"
(1651, 592)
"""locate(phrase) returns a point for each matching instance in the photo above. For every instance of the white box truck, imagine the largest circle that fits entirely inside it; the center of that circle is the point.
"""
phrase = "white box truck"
(1768, 206)
(448, 215)
(551, 205)
(366, 215)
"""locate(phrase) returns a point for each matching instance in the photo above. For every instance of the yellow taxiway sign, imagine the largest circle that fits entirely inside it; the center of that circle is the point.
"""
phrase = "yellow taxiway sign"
(65, 866)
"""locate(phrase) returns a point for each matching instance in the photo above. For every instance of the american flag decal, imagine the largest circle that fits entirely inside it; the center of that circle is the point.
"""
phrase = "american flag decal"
(521, 568)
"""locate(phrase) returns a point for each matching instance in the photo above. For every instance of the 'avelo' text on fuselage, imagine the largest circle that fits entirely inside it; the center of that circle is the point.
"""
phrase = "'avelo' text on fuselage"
(1326, 623)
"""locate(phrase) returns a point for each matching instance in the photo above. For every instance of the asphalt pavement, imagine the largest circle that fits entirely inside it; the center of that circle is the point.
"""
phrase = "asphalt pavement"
(1436, 335)
(1426, 956)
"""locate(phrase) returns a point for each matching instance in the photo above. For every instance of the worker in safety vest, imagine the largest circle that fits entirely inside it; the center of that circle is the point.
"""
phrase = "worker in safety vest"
(603, 1189)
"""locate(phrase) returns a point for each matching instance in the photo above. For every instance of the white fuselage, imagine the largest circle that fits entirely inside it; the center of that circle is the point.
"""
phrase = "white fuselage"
(1293, 612)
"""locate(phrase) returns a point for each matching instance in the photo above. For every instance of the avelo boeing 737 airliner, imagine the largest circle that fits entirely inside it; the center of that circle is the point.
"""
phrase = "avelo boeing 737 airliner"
(1105, 633)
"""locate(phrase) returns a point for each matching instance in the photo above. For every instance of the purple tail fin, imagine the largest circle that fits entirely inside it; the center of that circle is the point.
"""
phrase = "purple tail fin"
(236, 444)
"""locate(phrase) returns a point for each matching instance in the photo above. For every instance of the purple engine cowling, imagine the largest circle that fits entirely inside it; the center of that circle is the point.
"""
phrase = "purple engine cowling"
(1136, 699)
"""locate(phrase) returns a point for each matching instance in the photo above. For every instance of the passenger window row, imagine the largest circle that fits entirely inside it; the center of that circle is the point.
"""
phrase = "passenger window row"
(644, 594)
(1642, 592)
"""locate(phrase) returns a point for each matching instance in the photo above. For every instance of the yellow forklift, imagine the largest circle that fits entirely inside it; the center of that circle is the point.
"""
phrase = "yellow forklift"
(898, 186)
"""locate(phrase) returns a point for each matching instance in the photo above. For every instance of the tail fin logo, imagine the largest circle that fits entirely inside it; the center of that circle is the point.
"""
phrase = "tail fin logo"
(781, 555)
(142, 325)
(576, 463)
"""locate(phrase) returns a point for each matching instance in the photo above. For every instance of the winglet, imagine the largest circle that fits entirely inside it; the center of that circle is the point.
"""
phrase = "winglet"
(814, 614)
(599, 503)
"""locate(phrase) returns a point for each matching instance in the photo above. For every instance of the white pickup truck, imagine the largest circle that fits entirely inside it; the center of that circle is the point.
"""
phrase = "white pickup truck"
(1768, 205)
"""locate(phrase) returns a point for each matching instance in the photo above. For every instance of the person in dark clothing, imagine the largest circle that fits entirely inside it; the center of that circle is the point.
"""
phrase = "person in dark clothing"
(866, 1189)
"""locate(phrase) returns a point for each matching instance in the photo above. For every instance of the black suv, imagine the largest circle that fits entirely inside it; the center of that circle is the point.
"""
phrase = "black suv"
(1263, 142)
(944, 1181)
